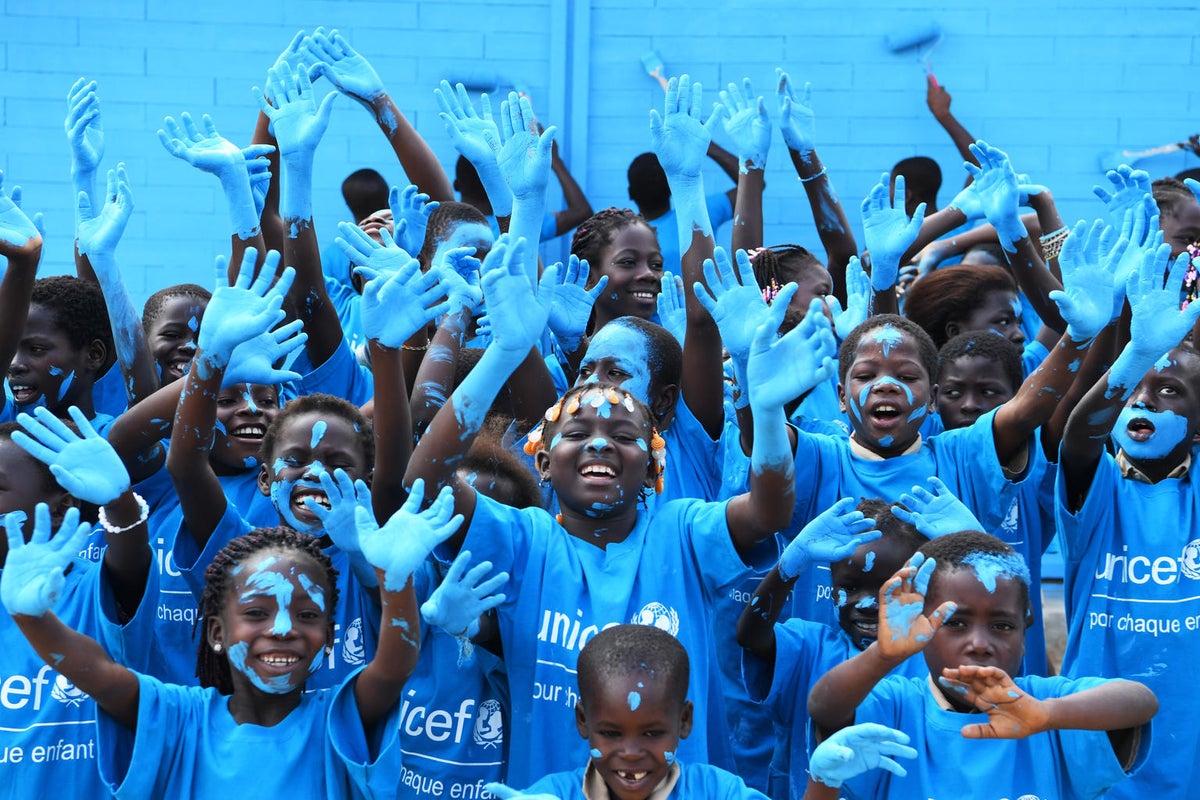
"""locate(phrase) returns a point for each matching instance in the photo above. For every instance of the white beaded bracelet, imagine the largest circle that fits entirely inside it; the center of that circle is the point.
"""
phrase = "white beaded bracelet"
(143, 515)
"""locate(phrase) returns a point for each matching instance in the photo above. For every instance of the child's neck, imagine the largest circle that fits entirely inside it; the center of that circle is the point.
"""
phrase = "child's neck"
(600, 532)
(250, 706)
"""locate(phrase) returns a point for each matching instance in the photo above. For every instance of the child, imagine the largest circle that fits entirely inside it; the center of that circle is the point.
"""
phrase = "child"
(977, 372)
(633, 711)
(619, 244)
(601, 561)
(171, 318)
(1128, 520)
(782, 660)
(268, 610)
(964, 601)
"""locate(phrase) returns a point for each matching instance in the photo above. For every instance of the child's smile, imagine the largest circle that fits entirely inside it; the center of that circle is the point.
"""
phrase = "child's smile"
(886, 391)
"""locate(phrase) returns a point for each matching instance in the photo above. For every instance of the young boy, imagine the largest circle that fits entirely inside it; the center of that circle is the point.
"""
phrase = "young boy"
(633, 710)
(782, 660)
(964, 601)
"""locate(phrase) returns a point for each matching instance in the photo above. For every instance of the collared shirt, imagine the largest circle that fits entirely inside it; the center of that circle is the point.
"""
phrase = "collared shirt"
(861, 452)
(1131, 472)
(594, 787)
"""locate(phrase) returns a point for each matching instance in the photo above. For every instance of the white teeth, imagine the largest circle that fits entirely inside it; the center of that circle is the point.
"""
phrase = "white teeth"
(885, 408)
(600, 470)
(250, 430)
(631, 776)
(278, 661)
(644, 295)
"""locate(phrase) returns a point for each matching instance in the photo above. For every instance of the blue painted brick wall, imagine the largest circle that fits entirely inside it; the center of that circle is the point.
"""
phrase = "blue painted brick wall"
(1055, 82)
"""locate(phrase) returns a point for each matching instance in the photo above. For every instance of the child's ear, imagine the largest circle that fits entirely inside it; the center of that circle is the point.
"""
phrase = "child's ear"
(214, 633)
(952, 330)
(95, 354)
(841, 392)
(542, 462)
(581, 720)
(685, 720)
(59, 506)
(663, 405)
(933, 390)
(264, 479)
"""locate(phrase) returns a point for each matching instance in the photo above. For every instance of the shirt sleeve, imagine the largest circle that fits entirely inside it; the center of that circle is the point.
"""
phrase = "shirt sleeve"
(364, 766)
(192, 561)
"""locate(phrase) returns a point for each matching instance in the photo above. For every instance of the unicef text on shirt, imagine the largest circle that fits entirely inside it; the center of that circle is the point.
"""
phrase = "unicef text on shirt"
(1160, 570)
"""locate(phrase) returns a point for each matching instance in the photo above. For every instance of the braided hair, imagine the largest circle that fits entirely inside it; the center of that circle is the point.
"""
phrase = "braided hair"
(212, 668)
(778, 265)
(598, 231)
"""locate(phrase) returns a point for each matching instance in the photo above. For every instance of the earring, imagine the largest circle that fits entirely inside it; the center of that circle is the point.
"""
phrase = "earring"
(216, 647)
(328, 649)
(643, 493)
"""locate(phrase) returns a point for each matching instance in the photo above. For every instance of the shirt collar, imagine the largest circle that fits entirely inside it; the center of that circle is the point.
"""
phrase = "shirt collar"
(859, 451)
(1131, 472)
(594, 787)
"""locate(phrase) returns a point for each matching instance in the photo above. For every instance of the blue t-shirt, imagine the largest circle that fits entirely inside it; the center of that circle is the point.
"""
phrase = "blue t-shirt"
(804, 651)
(346, 301)
(1133, 606)
(720, 211)
(108, 392)
(341, 376)
(47, 726)
(696, 782)
(188, 745)
(668, 572)
(1054, 764)
(453, 715)
(1032, 356)
(356, 620)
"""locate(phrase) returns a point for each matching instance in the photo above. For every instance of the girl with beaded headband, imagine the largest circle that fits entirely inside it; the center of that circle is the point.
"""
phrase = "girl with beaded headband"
(604, 559)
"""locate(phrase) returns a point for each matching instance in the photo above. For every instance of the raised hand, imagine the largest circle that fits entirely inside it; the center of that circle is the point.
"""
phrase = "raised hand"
(672, 310)
(679, 138)
(84, 131)
(333, 57)
(733, 299)
(83, 463)
(395, 305)
(254, 360)
(463, 596)
(746, 122)
(1012, 714)
(797, 122)
(903, 628)
(19, 237)
(207, 150)
(97, 234)
(935, 513)
(340, 520)
(1157, 323)
(475, 136)
(252, 306)
(888, 231)
(524, 158)
(33, 573)
(568, 303)
(852, 751)
(809, 349)
(403, 543)
(458, 275)
(290, 103)
(517, 320)
(1128, 187)
(412, 207)
(997, 188)
(858, 300)
(1088, 260)
(834, 534)
(295, 55)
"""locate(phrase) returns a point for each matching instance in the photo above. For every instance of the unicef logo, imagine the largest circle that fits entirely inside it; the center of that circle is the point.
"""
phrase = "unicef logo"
(65, 692)
(1189, 560)
(354, 651)
(489, 725)
(662, 617)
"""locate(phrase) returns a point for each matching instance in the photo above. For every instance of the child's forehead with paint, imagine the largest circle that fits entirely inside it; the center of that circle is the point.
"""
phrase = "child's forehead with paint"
(885, 339)
(276, 572)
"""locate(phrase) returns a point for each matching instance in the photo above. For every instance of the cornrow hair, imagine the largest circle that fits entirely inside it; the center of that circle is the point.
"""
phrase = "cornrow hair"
(780, 264)
(155, 302)
(598, 231)
(1170, 195)
(442, 221)
(212, 668)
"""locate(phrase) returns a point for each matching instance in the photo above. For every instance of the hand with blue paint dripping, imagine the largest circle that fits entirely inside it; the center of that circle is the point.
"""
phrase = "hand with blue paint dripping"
(33, 575)
(672, 308)
(249, 308)
(904, 630)
(1088, 260)
(502, 792)
(98, 232)
(254, 360)
(744, 116)
(524, 158)
(809, 350)
(1011, 713)
(85, 132)
(679, 138)
(734, 300)
(297, 122)
(517, 319)
(83, 463)
(797, 121)
(403, 543)
(351, 74)
(832, 535)
(858, 300)
(888, 231)
(852, 751)
(411, 207)
(340, 520)
(398, 303)
(1128, 187)
(935, 511)
(464, 596)
(207, 150)
(568, 301)
(996, 186)
(19, 237)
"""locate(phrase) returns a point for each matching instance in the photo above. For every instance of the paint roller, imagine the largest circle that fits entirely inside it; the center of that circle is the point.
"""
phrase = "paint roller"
(920, 38)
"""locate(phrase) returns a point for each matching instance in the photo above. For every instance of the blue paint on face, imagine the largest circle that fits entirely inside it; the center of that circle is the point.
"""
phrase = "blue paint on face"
(669, 757)
(594, 753)
(623, 348)
(56, 371)
(887, 337)
(249, 398)
(641, 443)
(65, 386)
(597, 444)
(193, 324)
(990, 567)
(869, 561)
(318, 432)
(841, 598)
(1164, 362)
(266, 581)
(918, 413)
(315, 592)
(867, 602)
(1016, 308)
(635, 700)
(276, 684)
(1169, 430)
(281, 498)
(886, 441)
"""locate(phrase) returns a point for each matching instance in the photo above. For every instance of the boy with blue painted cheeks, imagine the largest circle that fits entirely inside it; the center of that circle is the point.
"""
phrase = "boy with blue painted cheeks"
(963, 600)
(1128, 520)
